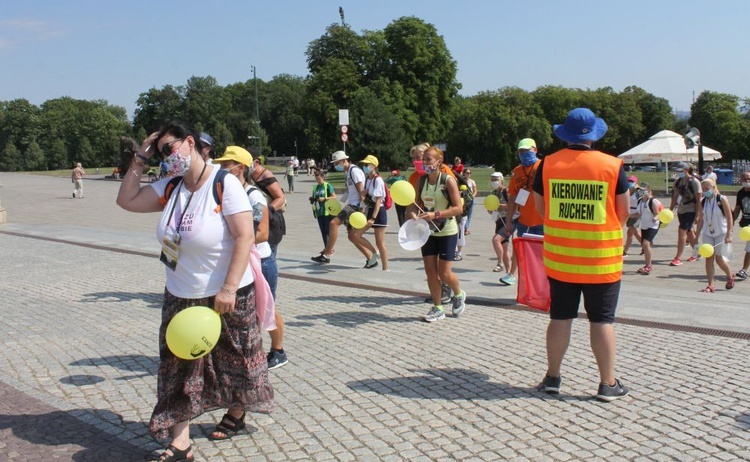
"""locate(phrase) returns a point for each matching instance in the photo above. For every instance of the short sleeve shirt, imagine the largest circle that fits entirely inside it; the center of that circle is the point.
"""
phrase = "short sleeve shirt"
(743, 201)
(353, 176)
(523, 178)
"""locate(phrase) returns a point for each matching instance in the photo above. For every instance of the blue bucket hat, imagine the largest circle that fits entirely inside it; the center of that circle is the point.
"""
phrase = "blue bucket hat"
(581, 125)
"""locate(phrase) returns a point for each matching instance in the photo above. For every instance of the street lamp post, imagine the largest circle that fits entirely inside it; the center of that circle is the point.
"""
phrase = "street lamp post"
(257, 114)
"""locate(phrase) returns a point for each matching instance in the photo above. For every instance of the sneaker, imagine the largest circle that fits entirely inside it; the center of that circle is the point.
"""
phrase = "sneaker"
(446, 293)
(435, 314)
(608, 394)
(625, 255)
(459, 303)
(276, 359)
(74, 195)
(457, 257)
(550, 385)
(676, 262)
(498, 269)
(508, 280)
(692, 258)
(372, 262)
(742, 274)
(695, 255)
(321, 259)
(645, 270)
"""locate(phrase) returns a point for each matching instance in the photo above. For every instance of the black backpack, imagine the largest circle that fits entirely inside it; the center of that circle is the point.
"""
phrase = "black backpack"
(276, 221)
(466, 194)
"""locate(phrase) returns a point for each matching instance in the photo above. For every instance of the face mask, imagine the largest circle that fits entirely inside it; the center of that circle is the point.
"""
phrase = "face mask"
(367, 169)
(681, 175)
(708, 194)
(339, 167)
(746, 185)
(176, 164)
(495, 184)
(631, 185)
(430, 169)
(527, 158)
(419, 166)
(230, 169)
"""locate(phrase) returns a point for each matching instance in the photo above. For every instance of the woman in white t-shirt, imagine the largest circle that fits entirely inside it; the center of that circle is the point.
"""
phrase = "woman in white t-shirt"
(647, 211)
(206, 248)
(374, 210)
(716, 230)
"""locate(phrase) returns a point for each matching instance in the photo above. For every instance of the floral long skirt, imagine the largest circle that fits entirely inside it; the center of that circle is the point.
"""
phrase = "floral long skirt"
(234, 372)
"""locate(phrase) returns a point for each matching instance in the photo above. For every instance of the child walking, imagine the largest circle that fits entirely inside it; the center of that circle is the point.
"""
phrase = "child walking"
(716, 230)
(648, 210)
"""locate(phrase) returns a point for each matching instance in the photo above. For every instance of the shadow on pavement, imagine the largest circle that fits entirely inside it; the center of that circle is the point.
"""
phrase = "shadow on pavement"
(145, 365)
(155, 300)
(58, 435)
(448, 384)
(350, 319)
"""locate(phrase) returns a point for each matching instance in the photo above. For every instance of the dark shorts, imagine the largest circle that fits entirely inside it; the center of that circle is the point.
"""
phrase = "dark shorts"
(500, 230)
(382, 218)
(599, 300)
(343, 216)
(686, 220)
(632, 222)
(649, 234)
(443, 246)
(522, 229)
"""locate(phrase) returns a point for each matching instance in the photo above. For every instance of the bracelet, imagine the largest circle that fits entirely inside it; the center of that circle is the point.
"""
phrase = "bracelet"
(137, 159)
(437, 213)
(227, 290)
(142, 157)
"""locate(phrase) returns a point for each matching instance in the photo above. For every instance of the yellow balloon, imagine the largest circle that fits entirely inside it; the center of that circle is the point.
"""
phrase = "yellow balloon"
(666, 216)
(358, 220)
(706, 250)
(745, 233)
(491, 203)
(193, 332)
(333, 207)
(463, 188)
(403, 193)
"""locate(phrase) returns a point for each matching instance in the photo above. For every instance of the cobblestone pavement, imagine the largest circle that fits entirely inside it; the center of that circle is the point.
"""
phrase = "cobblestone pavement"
(367, 380)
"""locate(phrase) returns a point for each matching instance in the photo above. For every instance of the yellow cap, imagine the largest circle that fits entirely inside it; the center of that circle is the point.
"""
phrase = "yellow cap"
(370, 159)
(237, 154)
(526, 143)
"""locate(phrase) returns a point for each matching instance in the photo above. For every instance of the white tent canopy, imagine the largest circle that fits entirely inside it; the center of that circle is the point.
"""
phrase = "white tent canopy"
(666, 146)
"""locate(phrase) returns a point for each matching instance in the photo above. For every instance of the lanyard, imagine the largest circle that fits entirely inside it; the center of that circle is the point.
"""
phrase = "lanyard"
(174, 204)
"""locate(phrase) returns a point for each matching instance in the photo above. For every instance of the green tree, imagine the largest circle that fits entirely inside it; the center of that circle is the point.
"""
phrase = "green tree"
(206, 105)
(656, 113)
(377, 131)
(10, 159)
(421, 63)
(57, 155)
(283, 114)
(33, 158)
(155, 106)
(722, 127)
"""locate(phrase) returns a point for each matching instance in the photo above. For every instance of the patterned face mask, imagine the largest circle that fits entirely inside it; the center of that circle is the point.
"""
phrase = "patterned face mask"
(176, 164)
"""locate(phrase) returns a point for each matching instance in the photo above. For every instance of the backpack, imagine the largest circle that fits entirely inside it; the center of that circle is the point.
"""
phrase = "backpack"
(217, 189)
(466, 194)
(388, 200)
(686, 190)
(276, 221)
(718, 202)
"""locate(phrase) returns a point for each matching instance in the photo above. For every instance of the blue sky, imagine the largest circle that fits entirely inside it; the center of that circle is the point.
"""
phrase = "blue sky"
(117, 50)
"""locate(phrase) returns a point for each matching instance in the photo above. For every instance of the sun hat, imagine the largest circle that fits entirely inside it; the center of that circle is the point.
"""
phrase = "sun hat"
(633, 179)
(526, 144)
(370, 159)
(338, 155)
(237, 154)
(581, 125)
(496, 175)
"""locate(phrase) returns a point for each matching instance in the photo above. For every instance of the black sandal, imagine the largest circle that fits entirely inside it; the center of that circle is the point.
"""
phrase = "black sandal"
(176, 456)
(229, 426)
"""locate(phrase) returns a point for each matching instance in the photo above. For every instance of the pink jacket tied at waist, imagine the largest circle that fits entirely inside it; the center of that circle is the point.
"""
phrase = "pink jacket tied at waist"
(264, 304)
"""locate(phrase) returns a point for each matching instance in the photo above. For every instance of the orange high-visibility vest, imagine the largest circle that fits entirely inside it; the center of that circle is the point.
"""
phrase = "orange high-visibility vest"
(582, 233)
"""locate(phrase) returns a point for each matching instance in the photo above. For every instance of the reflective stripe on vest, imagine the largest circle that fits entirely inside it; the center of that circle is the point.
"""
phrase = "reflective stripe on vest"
(582, 233)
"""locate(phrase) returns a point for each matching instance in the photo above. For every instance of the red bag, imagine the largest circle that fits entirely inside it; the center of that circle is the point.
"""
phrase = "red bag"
(533, 285)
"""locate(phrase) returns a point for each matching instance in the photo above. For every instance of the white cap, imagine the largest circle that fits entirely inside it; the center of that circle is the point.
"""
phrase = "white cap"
(497, 175)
